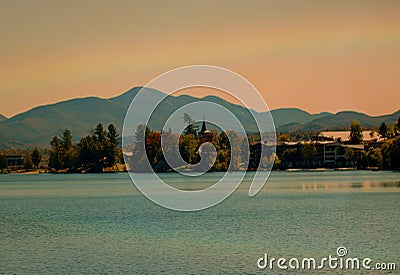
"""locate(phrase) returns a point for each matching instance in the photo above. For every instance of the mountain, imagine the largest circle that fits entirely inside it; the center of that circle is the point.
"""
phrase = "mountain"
(340, 121)
(36, 126)
(2, 118)
(290, 117)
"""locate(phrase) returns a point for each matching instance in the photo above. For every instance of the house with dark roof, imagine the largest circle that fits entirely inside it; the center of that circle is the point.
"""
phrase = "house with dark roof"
(205, 135)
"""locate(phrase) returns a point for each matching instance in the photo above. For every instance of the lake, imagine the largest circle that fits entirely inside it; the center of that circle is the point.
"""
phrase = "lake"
(100, 223)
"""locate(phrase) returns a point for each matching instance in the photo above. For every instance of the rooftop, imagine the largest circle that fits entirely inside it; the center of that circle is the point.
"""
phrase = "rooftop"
(345, 135)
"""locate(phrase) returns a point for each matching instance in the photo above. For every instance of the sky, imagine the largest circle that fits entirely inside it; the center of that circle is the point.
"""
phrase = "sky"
(314, 55)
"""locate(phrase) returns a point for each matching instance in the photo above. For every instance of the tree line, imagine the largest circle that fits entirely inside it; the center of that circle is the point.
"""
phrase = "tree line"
(189, 145)
(92, 153)
(99, 150)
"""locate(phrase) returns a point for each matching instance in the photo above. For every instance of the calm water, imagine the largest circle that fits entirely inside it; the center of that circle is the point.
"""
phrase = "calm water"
(102, 224)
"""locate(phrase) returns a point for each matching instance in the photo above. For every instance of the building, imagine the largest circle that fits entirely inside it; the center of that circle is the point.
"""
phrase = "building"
(344, 136)
(15, 161)
(204, 135)
(327, 154)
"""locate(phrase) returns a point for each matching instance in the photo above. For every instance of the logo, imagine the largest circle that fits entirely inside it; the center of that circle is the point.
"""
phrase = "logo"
(153, 102)
(338, 261)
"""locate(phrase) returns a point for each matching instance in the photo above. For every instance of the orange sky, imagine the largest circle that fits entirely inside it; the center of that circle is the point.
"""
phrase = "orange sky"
(315, 55)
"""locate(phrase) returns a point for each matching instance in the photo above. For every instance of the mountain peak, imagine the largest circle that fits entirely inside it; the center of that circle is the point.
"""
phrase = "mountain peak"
(130, 94)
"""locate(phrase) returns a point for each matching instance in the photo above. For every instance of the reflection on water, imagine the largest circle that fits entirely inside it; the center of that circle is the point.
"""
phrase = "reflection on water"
(102, 224)
(334, 180)
(305, 181)
(364, 185)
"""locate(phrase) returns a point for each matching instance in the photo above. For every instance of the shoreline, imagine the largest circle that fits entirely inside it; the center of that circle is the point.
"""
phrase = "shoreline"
(290, 170)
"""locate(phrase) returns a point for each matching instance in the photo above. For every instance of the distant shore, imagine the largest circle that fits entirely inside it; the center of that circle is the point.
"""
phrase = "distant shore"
(123, 170)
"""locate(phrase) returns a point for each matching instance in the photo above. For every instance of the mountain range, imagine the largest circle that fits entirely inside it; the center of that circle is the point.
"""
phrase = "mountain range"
(2, 118)
(35, 127)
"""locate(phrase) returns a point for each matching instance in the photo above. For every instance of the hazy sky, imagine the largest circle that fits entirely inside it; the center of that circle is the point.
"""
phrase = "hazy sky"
(315, 55)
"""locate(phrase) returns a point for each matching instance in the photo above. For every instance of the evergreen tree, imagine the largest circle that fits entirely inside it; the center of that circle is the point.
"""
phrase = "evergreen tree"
(66, 140)
(99, 133)
(55, 154)
(99, 150)
(36, 157)
(85, 152)
(63, 155)
(111, 147)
